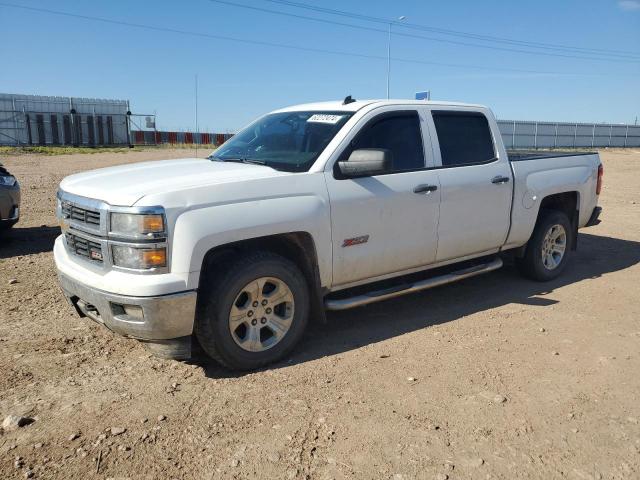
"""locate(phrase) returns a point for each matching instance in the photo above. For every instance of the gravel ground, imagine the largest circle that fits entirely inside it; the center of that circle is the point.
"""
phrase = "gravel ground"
(495, 377)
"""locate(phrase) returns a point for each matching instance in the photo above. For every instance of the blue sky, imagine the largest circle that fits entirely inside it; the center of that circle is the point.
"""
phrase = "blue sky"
(49, 54)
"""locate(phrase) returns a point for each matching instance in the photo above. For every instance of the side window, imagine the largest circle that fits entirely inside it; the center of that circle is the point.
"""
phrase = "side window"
(399, 133)
(464, 137)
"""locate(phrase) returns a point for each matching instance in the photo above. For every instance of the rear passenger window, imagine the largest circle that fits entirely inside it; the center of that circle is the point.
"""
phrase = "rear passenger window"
(398, 132)
(464, 137)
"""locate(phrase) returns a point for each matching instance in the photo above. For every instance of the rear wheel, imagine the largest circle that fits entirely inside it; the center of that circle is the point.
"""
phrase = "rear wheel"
(548, 248)
(255, 311)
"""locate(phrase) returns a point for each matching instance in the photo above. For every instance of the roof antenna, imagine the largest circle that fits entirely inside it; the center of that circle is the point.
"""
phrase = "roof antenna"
(348, 100)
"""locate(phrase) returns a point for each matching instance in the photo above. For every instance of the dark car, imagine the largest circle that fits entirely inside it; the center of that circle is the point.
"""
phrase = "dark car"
(9, 199)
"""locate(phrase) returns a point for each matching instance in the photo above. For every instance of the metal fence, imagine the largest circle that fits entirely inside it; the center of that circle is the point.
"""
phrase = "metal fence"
(533, 135)
(42, 120)
(140, 137)
(516, 135)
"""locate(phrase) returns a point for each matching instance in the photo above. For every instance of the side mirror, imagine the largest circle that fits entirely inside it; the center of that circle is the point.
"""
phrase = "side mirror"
(367, 162)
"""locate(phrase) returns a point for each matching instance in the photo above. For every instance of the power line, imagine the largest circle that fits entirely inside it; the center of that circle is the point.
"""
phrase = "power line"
(487, 38)
(422, 37)
(452, 32)
(277, 45)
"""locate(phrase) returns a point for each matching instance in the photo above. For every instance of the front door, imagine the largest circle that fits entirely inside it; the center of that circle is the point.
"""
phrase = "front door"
(385, 223)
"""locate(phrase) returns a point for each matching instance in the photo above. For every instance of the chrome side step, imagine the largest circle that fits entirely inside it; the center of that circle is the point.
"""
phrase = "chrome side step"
(376, 296)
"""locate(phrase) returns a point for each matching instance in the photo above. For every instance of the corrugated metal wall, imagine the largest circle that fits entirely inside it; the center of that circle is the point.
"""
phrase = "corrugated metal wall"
(41, 120)
(516, 135)
(526, 135)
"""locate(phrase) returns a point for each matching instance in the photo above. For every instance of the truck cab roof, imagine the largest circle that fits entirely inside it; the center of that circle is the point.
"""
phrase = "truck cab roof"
(339, 106)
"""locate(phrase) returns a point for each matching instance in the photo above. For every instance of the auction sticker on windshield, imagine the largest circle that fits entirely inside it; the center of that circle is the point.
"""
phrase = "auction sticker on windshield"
(325, 118)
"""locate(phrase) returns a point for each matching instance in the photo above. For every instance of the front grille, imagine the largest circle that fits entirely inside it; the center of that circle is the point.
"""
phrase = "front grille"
(80, 214)
(84, 247)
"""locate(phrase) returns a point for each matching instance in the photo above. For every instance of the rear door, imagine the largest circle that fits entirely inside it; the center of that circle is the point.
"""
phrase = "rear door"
(476, 185)
(379, 224)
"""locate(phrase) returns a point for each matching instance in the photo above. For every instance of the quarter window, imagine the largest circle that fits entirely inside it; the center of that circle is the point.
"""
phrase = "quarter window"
(464, 137)
(398, 132)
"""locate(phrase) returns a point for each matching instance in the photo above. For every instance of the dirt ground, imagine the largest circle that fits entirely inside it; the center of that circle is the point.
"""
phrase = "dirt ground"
(495, 377)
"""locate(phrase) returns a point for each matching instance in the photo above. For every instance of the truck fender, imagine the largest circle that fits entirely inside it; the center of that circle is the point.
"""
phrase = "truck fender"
(537, 187)
(200, 230)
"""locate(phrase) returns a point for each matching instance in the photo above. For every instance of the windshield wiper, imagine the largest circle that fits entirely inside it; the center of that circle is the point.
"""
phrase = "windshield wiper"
(252, 161)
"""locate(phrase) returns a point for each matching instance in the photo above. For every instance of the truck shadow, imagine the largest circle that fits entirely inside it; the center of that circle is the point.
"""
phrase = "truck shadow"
(352, 329)
(27, 241)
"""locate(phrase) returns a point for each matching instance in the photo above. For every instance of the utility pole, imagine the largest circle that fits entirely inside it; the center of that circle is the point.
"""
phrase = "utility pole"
(389, 55)
(197, 129)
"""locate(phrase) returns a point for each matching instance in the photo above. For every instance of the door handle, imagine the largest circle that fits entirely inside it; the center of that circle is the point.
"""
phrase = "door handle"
(424, 188)
(499, 179)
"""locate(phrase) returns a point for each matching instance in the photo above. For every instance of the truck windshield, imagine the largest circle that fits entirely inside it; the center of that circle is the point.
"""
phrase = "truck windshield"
(288, 141)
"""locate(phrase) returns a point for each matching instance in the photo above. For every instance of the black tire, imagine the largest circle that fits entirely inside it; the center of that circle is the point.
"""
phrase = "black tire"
(5, 226)
(531, 265)
(219, 294)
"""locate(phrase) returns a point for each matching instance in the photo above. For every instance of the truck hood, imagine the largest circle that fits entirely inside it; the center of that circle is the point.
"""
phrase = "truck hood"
(125, 185)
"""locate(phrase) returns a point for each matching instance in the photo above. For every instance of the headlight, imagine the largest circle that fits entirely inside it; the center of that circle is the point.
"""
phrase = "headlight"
(137, 225)
(139, 258)
(7, 180)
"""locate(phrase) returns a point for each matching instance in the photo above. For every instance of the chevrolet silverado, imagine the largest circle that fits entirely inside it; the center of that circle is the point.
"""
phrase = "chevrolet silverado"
(314, 207)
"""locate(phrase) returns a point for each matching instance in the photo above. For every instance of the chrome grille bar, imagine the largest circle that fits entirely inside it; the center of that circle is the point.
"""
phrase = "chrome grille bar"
(80, 214)
(84, 247)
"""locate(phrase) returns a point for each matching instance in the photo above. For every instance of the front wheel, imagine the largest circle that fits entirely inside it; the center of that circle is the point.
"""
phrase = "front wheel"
(255, 311)
(548, 248)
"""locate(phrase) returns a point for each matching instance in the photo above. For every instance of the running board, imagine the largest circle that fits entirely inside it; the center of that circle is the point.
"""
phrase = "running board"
(376, 296)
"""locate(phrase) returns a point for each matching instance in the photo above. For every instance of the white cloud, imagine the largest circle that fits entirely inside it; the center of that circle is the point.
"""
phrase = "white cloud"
(629, 5)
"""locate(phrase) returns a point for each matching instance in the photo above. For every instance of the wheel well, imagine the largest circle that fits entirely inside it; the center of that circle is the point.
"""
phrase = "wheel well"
(566, 202)
(295, 246)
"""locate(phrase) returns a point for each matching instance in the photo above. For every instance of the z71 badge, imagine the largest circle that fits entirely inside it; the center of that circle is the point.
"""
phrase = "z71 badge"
(350, 242)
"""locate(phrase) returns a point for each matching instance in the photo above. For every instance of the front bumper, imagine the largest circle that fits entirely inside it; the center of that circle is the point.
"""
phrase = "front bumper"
(145, 318)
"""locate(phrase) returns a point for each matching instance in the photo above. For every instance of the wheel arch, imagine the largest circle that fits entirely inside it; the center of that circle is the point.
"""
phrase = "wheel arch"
(299, 247)
(568, 203)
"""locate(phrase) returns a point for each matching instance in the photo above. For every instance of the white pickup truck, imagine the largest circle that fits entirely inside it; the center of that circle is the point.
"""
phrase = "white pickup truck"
(320, 206)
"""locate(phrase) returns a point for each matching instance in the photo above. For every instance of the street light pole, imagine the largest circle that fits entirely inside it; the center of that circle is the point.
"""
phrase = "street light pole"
(197, 139)
(388, 59)
(389, 56)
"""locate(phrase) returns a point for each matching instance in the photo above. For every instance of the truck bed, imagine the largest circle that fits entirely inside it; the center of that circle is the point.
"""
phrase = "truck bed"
(537, 174)
(520, 155)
